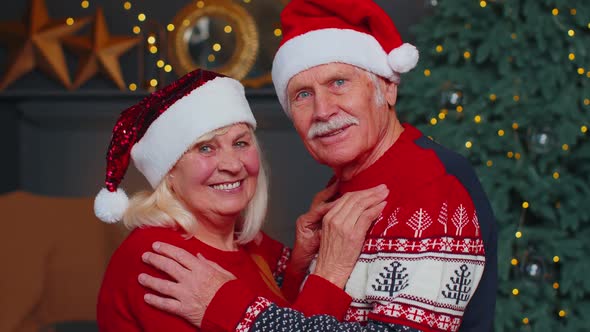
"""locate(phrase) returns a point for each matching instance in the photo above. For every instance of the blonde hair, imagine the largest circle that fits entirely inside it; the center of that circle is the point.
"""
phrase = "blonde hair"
(162, 208)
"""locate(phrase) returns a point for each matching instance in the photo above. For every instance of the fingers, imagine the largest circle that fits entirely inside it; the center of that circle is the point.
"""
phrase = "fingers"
(365, 197)
(228, 275)
(343, 232)
(166, 265)
(349, 207)
(169, 305)
(180, 255)
(367, 217)
(316, 213)
(161, 286)
(312, 219)
(325, 194)
(366, 206)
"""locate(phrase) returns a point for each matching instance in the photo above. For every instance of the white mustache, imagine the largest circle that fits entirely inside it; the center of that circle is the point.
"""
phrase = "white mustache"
(333, 124)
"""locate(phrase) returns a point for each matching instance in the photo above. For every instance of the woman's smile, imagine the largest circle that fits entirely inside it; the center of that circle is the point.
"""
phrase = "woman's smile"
(227, 186)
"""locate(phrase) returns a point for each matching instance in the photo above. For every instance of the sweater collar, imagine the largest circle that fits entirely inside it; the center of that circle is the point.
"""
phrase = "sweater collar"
(390, 163)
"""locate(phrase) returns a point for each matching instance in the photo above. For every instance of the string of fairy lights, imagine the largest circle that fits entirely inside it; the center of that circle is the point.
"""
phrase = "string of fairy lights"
(152, 41)
(152, 45)
(456, 98)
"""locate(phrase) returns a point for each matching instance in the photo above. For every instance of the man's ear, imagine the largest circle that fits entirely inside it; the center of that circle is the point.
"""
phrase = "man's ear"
(390, 93)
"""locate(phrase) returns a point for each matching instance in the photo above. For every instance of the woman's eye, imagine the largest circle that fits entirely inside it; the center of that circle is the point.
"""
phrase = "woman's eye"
(205, 148)
(242, 144)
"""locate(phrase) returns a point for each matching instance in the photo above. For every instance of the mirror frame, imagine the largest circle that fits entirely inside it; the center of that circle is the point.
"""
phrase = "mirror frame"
(244, 26)
(264, 79)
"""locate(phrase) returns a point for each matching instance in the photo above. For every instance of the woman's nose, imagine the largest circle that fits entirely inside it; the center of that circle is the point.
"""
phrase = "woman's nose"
(229, 162)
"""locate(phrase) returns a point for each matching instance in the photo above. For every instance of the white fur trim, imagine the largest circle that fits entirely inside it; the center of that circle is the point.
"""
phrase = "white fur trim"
(110, 206)
(216, 104)
(403, 58)
(324, 46)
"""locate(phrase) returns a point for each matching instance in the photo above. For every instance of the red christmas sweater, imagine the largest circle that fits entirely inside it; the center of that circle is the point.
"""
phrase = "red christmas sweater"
(428, 262)
(424, 257)
(121, 306)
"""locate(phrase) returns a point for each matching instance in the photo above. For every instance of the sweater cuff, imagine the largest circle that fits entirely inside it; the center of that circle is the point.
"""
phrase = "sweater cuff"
(228, 307)
(321, 297)
(292, 283)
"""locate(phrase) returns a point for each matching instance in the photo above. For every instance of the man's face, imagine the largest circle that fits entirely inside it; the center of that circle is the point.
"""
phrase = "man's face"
(334, 110)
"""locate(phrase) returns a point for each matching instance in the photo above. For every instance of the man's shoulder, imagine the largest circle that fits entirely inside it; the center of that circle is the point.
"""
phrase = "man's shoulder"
(426, 161)
(452, 161)
(461, 169)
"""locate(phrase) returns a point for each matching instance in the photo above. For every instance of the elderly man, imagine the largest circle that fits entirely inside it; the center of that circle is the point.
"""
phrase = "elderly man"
(428, 262)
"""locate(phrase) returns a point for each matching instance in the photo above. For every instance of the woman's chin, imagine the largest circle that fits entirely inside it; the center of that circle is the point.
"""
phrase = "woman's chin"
(231, 210)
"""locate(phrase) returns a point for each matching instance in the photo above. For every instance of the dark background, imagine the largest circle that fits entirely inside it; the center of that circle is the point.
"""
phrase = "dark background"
(53, 141)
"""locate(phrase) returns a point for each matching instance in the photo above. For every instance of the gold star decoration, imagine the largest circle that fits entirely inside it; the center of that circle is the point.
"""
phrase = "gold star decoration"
(35, 42)
(100, 52)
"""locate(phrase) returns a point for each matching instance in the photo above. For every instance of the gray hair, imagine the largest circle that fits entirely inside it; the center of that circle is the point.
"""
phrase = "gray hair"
(379, 96)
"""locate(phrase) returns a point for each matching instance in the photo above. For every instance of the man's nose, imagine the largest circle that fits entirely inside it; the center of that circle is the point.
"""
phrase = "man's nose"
(324, 106)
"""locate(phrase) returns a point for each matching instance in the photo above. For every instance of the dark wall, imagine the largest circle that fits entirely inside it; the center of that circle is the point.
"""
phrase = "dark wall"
(54, 141)
(9, 145)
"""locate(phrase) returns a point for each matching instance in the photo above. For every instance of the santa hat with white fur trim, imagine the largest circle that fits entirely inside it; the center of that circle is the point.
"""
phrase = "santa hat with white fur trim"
(355, 32)
(156, 132)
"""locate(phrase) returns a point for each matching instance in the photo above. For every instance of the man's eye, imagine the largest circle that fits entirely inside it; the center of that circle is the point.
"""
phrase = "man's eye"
(242, 144)
(303, 94)
(339, 82)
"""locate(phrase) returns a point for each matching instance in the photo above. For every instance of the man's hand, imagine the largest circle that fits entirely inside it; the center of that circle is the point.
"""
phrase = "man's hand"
(343, 232)
(308, 227)
(197, 281)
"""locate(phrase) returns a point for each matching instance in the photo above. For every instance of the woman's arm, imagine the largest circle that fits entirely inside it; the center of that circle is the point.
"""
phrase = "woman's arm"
(343, 231)
(209, 297)
(191, 305)
(121, 305)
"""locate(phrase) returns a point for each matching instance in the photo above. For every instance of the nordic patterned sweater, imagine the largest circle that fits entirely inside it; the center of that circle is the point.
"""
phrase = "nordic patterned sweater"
(429, 261)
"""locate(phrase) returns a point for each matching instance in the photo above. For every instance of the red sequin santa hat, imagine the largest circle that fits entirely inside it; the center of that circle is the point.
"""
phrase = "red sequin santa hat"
(355, 32)
(156, 132)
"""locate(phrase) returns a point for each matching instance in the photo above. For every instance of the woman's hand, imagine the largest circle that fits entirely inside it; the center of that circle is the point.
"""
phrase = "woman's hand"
(308, 227)
(197, 281)
(343, 232)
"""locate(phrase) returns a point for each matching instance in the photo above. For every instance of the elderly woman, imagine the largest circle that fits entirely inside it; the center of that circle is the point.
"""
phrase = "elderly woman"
(194, 142)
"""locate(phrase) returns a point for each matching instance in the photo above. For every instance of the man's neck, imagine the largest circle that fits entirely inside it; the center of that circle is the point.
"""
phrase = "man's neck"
(392, 133)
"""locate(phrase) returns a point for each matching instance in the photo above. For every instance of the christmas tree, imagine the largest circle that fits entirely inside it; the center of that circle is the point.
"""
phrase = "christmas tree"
(507, 84)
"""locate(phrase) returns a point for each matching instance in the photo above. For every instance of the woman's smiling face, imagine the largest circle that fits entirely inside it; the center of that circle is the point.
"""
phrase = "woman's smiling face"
(217, 177)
